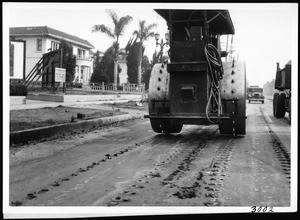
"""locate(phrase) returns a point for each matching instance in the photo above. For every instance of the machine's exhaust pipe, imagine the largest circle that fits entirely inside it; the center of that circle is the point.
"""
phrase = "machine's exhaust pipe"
(277, 65)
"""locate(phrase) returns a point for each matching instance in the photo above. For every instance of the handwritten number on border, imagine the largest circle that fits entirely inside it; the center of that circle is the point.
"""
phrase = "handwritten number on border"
(260, 209)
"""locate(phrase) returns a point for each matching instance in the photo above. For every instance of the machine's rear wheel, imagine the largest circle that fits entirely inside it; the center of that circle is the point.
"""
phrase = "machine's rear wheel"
(233, 87)
(165, 126)
(168, 128)
(275, 97)
(156, 125)
(280, 106)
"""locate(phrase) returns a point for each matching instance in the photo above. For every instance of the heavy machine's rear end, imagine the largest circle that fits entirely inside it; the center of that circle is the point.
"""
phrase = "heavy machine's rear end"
(282, 92)
(196, 87)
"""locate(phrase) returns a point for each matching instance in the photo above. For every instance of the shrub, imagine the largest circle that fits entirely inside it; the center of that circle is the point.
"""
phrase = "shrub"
(18, 90)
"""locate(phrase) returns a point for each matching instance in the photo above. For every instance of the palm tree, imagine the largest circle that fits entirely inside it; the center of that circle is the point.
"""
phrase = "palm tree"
(143, 34)
(119, 29)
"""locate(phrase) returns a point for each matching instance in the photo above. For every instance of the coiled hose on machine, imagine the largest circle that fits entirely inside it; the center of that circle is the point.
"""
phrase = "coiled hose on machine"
(215, 69)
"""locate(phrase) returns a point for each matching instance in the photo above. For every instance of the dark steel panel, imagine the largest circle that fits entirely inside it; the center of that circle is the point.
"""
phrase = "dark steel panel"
(283, 78)
(187, 67)
(198, 80)
(187, 51)
(196, 119)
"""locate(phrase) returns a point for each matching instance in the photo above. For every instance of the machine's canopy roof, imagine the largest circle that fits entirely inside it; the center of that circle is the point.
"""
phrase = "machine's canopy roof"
(219, 20)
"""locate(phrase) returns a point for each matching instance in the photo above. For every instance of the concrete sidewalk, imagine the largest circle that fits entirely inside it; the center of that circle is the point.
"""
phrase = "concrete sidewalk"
(32, 104)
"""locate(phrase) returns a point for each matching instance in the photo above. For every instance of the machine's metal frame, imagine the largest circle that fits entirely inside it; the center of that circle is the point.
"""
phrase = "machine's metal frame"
(217, 89)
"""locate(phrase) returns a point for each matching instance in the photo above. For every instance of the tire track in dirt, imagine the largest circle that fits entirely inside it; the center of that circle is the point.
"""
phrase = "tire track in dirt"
(102, 159)
(182, 175)
(208, 181)
(216, 173)
(154, 175)
(282, 155)
(280, 150)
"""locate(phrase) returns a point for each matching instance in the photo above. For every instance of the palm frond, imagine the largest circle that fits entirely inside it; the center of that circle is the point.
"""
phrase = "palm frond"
(151, 34)
(136, 33)
(143, 32)
(113, 16)
(102, 28)
(120, 28)
(142, 25)
(150, 27)
(125, 20)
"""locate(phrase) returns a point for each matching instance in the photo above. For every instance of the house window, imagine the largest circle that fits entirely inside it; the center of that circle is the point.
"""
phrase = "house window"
(39, 44)
(81, 53)
(54, 45)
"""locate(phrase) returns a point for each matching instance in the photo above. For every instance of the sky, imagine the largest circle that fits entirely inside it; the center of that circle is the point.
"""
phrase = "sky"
(264, 33)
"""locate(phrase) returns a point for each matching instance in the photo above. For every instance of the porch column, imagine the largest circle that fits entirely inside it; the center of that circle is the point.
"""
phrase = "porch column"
(79, 73)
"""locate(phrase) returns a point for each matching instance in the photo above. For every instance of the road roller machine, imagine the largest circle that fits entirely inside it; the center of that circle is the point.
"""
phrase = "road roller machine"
(195, 86)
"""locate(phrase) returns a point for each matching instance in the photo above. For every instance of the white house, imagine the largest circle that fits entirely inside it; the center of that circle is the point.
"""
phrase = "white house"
(123, 65)
(42, 39)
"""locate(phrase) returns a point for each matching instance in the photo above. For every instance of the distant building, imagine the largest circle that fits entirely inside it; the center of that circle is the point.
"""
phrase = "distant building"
(123, 65)
(122, 62)
(42, 39)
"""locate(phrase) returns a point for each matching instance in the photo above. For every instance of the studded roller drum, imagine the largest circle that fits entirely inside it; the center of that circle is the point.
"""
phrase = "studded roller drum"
(158, 99)
(158, 88)
(158, 93)
(233, 95)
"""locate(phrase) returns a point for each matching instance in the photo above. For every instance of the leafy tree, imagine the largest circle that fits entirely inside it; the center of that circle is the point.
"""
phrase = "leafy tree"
(69, 61)
(132, 61)
(115, 33)
(142, 34)
(104, 68)
(148, 68)
(97, 77)
(145, 64)
(155, 58)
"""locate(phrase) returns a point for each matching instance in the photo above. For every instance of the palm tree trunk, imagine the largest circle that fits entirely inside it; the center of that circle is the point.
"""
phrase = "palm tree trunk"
(115, 74)
(139, 80)
(139, 72)
(116, 64)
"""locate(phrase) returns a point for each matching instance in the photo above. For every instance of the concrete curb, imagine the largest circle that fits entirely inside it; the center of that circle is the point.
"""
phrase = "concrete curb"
(84, 98)
(44, 132)
(17, 100)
